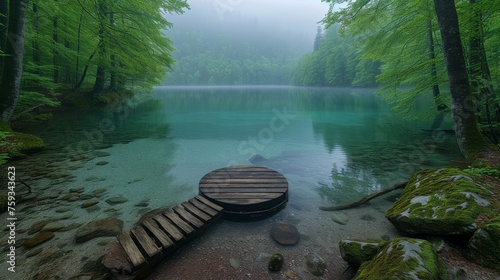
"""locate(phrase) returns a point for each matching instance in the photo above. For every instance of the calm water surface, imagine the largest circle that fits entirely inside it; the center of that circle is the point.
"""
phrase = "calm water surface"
(333, 145)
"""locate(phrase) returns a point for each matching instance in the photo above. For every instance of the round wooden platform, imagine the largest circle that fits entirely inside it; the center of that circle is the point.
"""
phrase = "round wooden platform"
(246, 192)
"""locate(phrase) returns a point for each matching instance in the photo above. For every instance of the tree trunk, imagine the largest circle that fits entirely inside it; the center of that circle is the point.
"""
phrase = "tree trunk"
(55, 55)
(100, 78)
(84, 74)
(112, 80)
(481, 81)
(13, 64)
(440, 106)
(101, 70)
(78, 46)
(36, 46)
(469, 139)
(4, 31)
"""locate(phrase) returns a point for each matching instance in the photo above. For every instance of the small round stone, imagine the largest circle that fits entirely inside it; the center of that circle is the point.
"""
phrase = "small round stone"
(276, 262)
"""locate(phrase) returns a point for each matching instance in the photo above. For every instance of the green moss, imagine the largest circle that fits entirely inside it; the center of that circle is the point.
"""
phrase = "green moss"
(4, 127)
(18, 145)
(276, 262)
(484, 246)
(444, 201)
(404, 258)
(355, 252)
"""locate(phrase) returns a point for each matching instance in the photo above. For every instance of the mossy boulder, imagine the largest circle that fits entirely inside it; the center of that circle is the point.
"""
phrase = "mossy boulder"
(441, 202)
(404, 258)
(356, 252)
(18, 145)
(484, 246)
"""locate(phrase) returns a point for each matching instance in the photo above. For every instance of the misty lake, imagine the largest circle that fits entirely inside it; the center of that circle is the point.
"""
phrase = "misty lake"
(334, 146)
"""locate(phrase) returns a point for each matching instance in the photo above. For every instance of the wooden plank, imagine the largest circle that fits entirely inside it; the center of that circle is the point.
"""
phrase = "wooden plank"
(220, 195)
(145, 241)
(204, 207)
(209, 203)
(244, 168)
(178, 221)
(169, 227)
(221, 185)
(243, 181)
(131, 249)
(195, 211)
(266, 175)
(232, 171)
(242, 190)
(188, 217)
(161, 236)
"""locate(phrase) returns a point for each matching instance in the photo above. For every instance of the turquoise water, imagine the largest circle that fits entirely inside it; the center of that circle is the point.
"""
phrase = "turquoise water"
(334, 146)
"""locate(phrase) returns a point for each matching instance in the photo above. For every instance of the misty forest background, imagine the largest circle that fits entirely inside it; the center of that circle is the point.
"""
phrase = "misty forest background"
(104, 48)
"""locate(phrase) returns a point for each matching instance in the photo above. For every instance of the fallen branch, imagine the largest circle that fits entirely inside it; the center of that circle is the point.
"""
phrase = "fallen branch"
(29, 187)
(30, 109)
(366, 198)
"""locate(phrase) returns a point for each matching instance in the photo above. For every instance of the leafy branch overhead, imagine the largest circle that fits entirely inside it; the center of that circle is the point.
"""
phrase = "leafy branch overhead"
(403, 40)
(91, 46)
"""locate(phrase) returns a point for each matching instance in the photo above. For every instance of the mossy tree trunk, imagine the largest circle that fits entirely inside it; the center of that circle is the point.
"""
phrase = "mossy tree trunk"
(13, 62)
(470, 140)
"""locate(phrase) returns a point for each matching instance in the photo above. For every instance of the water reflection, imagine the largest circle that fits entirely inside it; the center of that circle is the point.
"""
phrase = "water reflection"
(346, 140)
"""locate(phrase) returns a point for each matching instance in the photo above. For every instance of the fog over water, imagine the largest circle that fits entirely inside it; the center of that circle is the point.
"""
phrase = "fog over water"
(300, 16)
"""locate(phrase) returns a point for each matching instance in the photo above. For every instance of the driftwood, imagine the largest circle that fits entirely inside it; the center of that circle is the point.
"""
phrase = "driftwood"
(29, 187)
(366, 198)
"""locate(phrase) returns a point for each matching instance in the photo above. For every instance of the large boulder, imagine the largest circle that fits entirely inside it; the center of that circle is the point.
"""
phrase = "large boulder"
(356, 252)
(484, 246)
(441, 202)
(404, 258)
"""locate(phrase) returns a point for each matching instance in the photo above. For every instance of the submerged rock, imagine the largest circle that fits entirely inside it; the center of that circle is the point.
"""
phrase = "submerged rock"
(89, 203)
(53, 226)
(234, 263)
(263, 257)
(276, 262)
(285, 234)
(340, 218)
(404, 258)
(356, 252)
(257, 159)
(116, 259)
(37, 227)
(440, 202)
(116, 200)
(99, 228)
(484, 246)
(315, 264)
(38, 239)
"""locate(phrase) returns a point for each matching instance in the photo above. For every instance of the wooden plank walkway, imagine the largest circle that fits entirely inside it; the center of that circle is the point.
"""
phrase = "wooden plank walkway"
(242, 193)
(246, 192)
(146, 244)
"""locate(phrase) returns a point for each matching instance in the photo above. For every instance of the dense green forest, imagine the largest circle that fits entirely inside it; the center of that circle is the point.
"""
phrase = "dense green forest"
(335, 61)
(397, 46)
(82, 46)
(239, 50)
